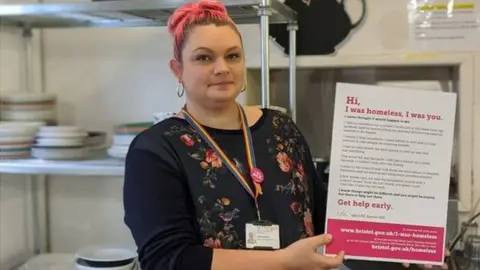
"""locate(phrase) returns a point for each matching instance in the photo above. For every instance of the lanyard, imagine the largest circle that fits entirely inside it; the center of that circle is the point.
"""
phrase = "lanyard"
(255, 174)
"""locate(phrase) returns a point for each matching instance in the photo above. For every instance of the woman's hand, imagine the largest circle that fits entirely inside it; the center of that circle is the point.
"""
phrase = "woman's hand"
(303, 255)
(444, 266)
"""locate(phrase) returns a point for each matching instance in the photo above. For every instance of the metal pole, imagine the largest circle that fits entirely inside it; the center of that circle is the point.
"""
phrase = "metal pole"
(264, 14)
(32, 185)
(28, 59)
(292, 30)
(37, 188)
(43, 205)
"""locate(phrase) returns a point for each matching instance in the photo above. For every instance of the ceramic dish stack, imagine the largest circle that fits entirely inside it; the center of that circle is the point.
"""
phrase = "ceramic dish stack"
(19, 106)
(123, 137)
(97, 144)
(105, 258)
(96, 138)
(60, 143)
(17, 138)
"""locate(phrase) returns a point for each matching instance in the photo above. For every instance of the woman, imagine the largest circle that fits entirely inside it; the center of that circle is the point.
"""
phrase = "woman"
(222, 186)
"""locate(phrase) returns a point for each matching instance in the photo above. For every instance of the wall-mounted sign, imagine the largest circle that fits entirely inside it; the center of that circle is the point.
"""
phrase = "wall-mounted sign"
(444, 25)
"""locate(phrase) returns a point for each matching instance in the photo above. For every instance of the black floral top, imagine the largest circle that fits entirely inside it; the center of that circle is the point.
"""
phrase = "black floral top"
(181, 201)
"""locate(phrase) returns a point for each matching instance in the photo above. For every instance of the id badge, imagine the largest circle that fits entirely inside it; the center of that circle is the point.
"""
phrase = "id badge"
(262, 235)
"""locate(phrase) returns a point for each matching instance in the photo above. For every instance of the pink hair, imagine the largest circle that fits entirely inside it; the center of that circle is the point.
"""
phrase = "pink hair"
(190, 15)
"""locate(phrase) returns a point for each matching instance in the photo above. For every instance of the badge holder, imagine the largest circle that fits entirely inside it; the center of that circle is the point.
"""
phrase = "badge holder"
(262, 235)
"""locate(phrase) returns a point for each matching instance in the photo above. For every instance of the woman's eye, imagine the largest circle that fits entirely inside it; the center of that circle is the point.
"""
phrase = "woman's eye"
(203, 58)
(234, 56)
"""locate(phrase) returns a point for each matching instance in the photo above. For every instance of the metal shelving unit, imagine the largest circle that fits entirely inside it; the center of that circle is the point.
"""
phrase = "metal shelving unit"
(115, 14)
(138, 13)
(127, 13)
(97, 167)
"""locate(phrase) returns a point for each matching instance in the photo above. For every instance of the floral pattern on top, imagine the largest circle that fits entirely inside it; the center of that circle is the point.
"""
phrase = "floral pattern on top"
(220, 216)
(227, 236)
(213, 167)
(209, 160)
(286, 144)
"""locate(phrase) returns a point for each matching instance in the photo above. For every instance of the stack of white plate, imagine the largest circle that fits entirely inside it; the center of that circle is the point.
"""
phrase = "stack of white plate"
(105, 258)
(19, 106)
(97, 144)
(60, 142)
(123, 137)
(96, 138)
(16, 139)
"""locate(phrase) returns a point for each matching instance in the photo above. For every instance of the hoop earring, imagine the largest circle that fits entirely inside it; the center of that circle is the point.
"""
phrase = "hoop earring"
(244, 86)
(180, 90)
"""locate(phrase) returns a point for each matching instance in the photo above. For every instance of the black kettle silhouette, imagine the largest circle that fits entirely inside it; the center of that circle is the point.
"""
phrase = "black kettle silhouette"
(322, 25)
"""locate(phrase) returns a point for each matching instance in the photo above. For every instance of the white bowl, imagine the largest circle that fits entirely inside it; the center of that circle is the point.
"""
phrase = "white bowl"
(22, 129)
(119, 258)
(123, 267)
(63, 129)
(123, 139)
(106, 253)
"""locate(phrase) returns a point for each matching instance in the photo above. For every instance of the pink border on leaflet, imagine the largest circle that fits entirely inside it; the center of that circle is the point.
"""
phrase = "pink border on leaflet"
(360, 245)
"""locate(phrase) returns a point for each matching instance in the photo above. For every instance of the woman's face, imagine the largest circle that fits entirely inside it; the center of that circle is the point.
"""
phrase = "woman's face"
(213, 65)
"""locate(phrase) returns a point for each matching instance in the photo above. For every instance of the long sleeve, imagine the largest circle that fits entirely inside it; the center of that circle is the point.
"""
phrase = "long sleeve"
(159, 211)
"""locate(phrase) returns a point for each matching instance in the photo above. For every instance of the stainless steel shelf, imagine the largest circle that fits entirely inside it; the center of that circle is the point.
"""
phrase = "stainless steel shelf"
(126, 13)
(100, 167)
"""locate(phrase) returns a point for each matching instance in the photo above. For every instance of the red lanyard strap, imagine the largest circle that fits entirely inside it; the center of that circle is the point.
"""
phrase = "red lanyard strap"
(256, 174)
